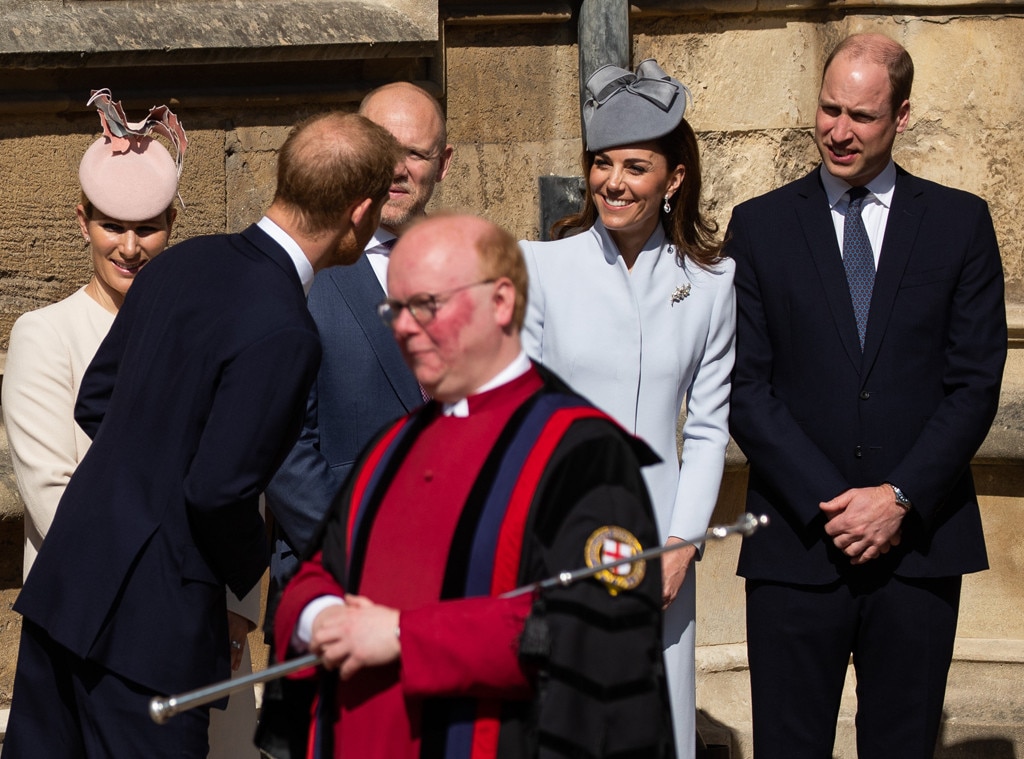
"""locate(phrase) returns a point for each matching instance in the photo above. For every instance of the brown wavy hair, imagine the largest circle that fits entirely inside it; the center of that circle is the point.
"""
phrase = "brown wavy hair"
(694, 235)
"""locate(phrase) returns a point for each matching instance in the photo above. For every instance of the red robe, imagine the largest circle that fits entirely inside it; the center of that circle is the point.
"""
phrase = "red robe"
(439, 517)
(446, 646)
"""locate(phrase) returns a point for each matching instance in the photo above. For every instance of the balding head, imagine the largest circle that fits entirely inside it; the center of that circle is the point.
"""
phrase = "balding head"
(883, 51)
(468, 331)
(329, 163)
(416, 120)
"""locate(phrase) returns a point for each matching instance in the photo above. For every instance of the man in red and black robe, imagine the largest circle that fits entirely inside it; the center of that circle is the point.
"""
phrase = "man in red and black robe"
(505, 478)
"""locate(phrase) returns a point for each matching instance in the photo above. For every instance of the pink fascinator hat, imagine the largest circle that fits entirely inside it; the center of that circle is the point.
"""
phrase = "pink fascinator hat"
(127, 174)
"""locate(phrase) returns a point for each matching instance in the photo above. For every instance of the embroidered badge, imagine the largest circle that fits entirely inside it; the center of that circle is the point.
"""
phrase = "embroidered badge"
(610, 544)
(680, 293)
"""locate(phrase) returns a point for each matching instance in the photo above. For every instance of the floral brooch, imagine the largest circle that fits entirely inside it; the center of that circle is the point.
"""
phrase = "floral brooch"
(680, 293)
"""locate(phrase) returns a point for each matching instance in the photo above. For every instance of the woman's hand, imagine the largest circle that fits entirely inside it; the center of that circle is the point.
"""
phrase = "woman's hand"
(674, 566)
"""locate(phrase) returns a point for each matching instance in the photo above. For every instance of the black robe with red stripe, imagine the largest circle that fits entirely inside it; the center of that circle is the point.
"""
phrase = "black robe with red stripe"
(591, 662)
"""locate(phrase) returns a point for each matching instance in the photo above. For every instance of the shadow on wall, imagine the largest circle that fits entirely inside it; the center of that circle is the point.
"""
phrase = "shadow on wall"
(989, 747)
(978, 748)
(715, 740)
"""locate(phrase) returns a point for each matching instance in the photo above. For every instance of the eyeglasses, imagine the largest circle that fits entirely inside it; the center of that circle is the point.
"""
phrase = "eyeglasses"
(423, 307)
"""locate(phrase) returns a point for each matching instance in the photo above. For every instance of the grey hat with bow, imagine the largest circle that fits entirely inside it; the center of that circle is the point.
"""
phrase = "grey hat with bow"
(623, 107)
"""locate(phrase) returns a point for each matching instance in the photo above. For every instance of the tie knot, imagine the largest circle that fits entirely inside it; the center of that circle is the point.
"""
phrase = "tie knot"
(388, 245)
(857, 195)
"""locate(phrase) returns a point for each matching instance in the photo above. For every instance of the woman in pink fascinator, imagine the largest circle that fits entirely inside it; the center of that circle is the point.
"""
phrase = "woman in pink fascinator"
(129, 183)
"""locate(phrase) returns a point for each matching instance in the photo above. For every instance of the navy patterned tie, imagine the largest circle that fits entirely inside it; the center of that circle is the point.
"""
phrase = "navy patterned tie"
(858, 260)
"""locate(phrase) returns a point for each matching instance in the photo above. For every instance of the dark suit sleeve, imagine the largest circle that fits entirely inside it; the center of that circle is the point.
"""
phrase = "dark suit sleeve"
(974, 357)
(763, 426)
(254, 417)
(304, 486)
(98, 381)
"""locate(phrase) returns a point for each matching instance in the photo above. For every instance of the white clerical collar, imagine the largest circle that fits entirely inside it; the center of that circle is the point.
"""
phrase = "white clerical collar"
(881, 187)
(282, 238)
(519, 366)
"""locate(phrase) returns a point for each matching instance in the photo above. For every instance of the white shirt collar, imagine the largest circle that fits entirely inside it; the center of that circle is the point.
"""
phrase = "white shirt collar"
(282, 238)
(378, 255)
(881, 187)
(380, 237)
(520, 365)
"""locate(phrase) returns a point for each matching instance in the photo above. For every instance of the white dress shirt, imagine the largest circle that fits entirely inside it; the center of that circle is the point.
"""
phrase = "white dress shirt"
(875, 210)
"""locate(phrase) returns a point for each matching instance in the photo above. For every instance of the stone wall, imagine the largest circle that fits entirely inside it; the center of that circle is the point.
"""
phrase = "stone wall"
(508, 71)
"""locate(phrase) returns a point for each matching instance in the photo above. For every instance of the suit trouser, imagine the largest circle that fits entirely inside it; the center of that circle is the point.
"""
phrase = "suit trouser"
(900, 633)
(65, 707)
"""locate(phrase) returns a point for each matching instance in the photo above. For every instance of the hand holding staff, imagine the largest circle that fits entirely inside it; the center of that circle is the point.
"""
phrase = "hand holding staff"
(162, 709)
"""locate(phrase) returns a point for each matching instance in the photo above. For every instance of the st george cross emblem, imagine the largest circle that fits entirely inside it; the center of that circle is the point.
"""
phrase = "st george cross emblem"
(610, 544)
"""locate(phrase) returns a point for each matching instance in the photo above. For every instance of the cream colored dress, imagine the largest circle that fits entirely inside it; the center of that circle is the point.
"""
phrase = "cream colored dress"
(50, 349)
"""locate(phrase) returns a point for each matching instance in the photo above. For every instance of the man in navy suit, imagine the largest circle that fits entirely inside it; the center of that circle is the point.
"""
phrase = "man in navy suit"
(363, 382)
(859, 399)
(192, 402)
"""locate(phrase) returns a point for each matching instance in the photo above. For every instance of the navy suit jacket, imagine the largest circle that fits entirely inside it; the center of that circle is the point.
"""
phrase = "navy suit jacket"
(192, 401)
(363, 384)
(816, 416)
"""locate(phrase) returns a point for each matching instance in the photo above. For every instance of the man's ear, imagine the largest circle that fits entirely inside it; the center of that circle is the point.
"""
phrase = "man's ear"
(360, 212)
(446, 162)
(504, 300)
(902, 117)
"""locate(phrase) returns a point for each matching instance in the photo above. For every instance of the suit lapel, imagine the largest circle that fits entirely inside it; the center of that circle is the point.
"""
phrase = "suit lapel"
(901, 231)
(359, 286)
(820, 236)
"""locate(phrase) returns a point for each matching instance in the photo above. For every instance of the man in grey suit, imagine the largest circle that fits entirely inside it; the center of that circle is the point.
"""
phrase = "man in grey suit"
(363, 382)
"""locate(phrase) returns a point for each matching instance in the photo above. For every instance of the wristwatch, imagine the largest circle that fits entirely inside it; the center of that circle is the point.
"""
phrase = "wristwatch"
(901, 499)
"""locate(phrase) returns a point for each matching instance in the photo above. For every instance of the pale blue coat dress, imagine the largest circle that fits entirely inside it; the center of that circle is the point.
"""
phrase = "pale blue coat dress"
(639, 344)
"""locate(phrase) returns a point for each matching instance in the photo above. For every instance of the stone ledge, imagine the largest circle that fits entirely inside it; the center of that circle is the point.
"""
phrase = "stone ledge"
(727, 657)
(655, 8)
(989, 650)
(70, 34)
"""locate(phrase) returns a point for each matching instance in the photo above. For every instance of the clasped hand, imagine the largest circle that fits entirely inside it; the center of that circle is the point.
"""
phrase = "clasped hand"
(354, 635)
(864, 523)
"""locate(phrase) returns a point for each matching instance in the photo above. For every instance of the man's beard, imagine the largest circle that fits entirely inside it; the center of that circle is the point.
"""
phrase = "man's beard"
(396, 215)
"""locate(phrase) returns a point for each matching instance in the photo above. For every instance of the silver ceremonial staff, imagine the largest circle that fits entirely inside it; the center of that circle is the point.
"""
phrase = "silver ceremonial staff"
(162, 709)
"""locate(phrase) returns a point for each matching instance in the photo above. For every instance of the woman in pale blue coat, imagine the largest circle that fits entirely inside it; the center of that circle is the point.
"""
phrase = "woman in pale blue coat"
(634, 308)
